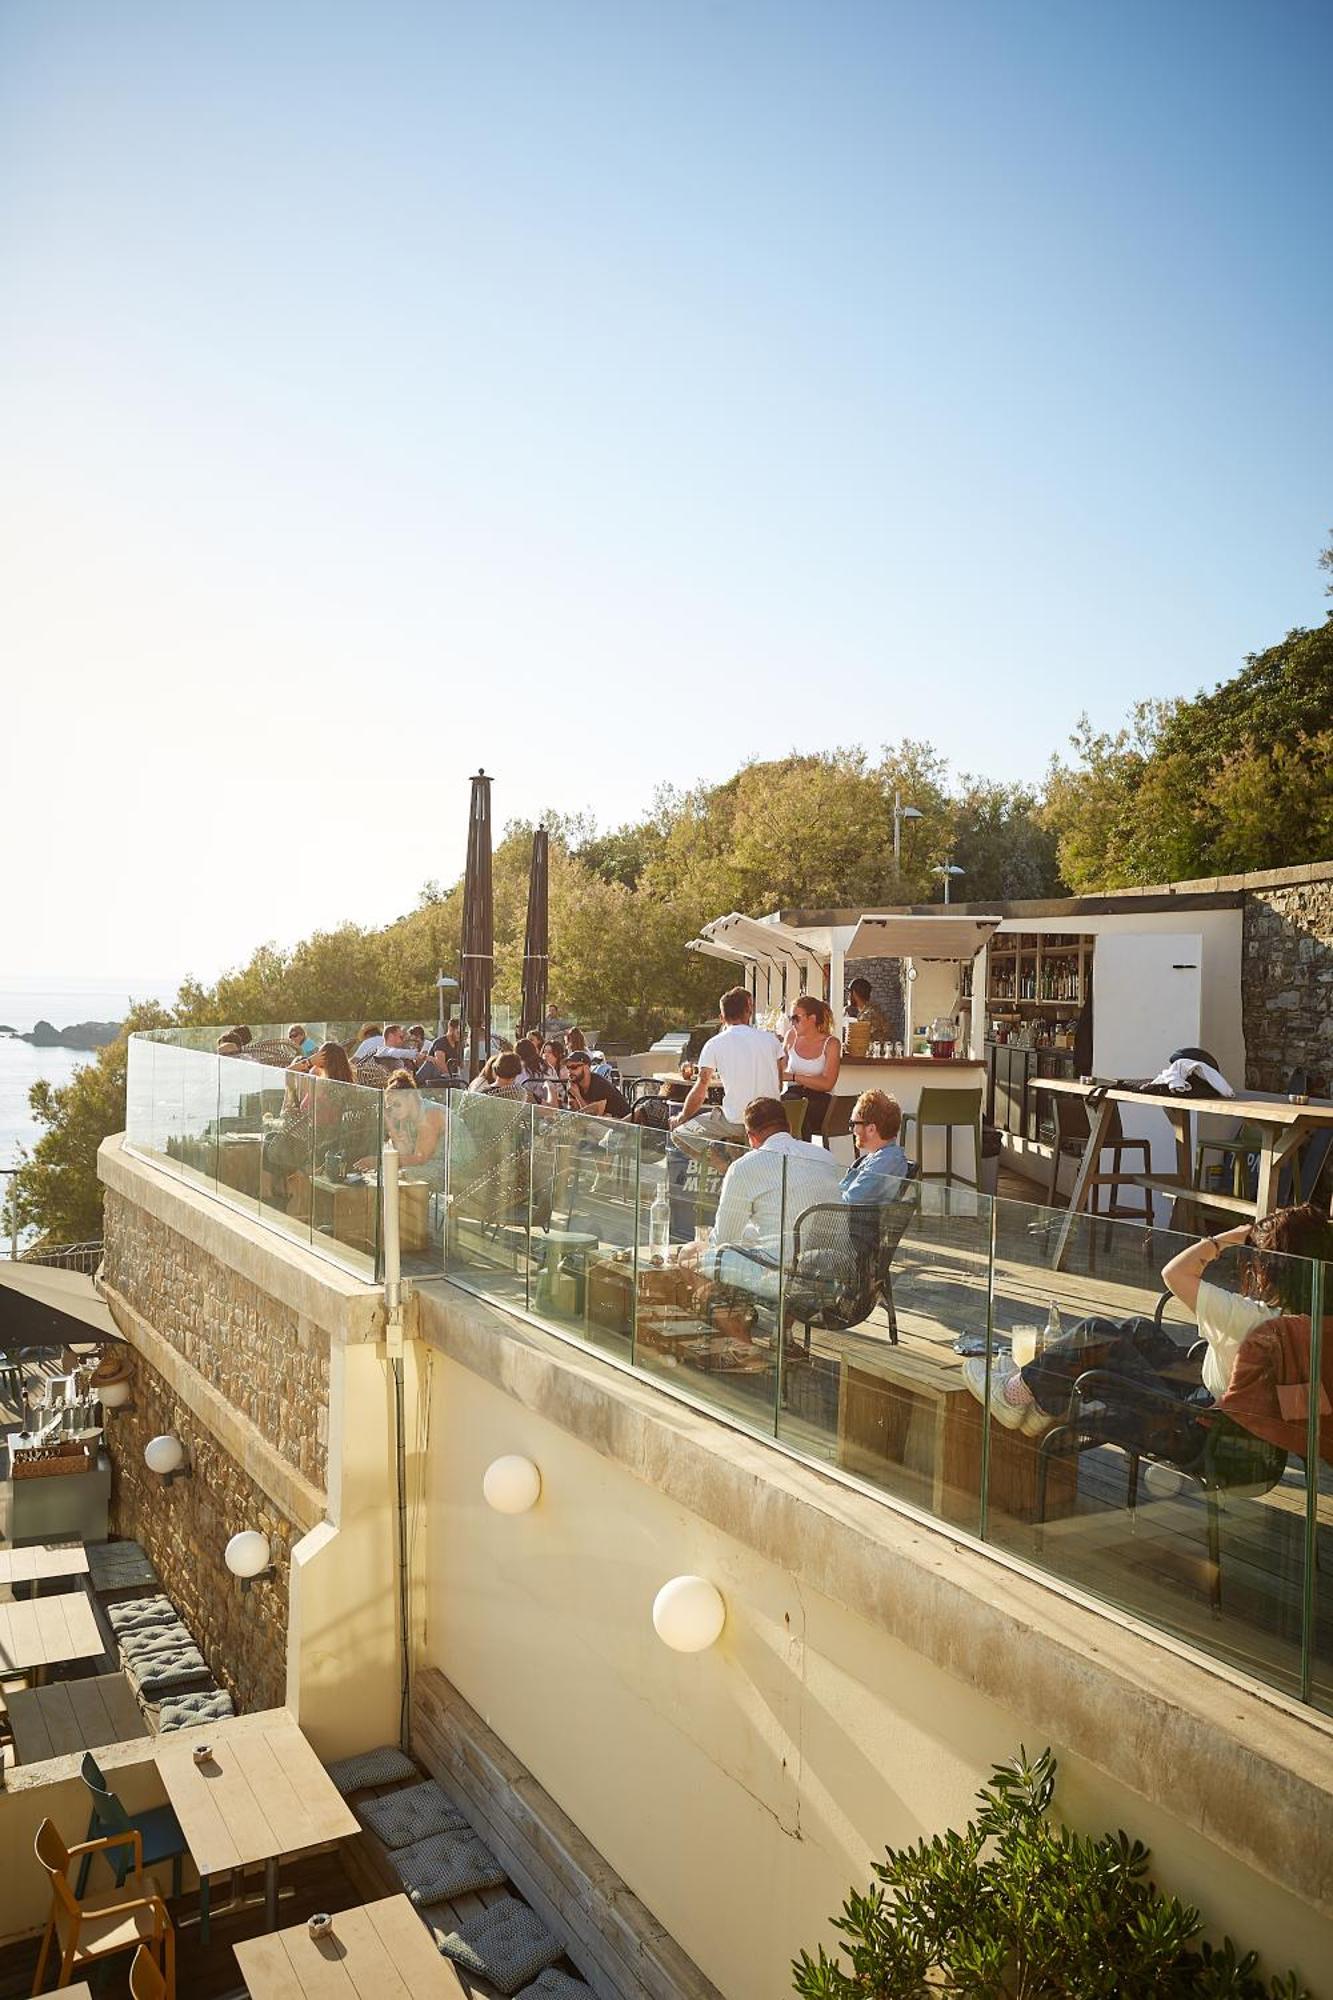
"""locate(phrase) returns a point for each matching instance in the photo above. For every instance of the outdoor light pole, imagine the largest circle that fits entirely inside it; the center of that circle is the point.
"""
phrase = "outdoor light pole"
(900, 813)
(948, 871)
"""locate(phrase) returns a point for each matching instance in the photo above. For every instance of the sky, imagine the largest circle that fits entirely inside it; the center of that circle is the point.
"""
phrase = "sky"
(607, 393)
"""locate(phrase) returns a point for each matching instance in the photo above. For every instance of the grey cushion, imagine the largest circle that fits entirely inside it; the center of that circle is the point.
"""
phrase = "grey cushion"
(371, 1767)
(506, 1943)
(167, 1668)
(414, 1813)
(184, 1711)
(139, 1613)
(553, 1984)
(446, 1865)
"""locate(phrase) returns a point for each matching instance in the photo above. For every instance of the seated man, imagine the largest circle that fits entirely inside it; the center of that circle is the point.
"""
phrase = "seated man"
(589, 1092)
(763, 1194)
(875, 1123)
(369, 1042)
(437, 1069)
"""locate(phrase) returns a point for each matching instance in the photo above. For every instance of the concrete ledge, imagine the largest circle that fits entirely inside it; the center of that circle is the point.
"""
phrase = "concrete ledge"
(616, 1942)
(1249, 1771)
(345, 1307)
(290, 1491)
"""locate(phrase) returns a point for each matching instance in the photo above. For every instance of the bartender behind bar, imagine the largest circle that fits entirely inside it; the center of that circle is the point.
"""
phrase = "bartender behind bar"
(861, 1007)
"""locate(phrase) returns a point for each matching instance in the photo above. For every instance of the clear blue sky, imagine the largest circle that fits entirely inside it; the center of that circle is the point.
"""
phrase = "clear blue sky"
(379, 380)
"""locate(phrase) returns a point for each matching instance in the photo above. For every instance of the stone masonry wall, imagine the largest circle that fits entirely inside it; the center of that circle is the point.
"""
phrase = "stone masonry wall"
(271, 1365)
(185, 1527)
(1287, 984)
(886, 990)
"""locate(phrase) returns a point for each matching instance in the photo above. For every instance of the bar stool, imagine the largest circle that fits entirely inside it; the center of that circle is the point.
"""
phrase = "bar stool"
(947, 1110)
(795, 1110)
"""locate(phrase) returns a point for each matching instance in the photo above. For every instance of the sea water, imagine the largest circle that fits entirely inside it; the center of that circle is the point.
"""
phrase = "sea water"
(24, 1002)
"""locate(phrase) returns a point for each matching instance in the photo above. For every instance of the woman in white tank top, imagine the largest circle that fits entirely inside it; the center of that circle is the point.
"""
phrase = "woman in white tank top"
(811, 1057)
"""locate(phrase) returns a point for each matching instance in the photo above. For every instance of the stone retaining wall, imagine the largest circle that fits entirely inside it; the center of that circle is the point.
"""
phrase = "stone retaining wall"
(270, 1363)
(185, 1527)
(1287, 984)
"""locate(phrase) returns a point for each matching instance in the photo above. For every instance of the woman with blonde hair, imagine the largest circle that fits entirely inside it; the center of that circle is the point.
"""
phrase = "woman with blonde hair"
(811, 1058)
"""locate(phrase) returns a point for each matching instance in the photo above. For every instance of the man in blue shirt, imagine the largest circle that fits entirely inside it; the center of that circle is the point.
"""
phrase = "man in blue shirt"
(876, 1122)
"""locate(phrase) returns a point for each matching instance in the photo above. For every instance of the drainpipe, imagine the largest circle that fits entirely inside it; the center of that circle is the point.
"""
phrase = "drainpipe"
(393, 1342)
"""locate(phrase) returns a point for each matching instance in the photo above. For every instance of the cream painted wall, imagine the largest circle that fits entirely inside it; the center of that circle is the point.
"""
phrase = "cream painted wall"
(342, 1646)
(740, 1792)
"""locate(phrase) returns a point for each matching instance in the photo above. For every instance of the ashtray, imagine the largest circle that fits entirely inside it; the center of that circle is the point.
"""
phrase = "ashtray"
(1299, 1097)
(320, 1925)
(203, 1753)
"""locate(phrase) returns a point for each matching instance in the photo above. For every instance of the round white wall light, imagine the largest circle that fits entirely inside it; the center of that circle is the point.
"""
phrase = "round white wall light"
(164, 1455)
(113, 1395)
(248, 1554)
(511, 1484)
(689, 1613)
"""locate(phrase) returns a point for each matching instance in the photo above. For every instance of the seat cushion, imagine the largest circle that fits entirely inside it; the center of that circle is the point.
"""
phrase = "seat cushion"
(137, 1614)
(446, 1865)
(183, 1711)
(506, 1943)
(384, 1766)
(553, 1984)
(414, 1813)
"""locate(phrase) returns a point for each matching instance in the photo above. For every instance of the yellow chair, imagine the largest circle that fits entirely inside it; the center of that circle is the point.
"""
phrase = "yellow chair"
(146, 1981)
(91, 1929)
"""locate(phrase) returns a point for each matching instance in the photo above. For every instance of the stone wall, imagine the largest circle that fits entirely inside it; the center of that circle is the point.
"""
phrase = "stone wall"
(886, 990)
(270, 1363)
(185, 1527)
(1287, 984)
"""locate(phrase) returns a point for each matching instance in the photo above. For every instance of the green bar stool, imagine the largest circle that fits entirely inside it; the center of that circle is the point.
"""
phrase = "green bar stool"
(946, 1110)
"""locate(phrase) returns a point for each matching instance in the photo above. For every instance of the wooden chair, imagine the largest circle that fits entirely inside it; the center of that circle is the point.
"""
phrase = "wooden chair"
(146, 1981)
(1072, 1116)
(90, 1931)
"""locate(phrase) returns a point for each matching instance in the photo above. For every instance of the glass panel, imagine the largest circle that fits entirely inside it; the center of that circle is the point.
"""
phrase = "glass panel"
(492, 1169)
(195, 1142)
(1144, 1492)
(341, 1198)
(240, 1131)
(583, 1208)
(708, 1301)
(887, 1305)
(139, 1093)
(1319, 1571)
(416, 1124)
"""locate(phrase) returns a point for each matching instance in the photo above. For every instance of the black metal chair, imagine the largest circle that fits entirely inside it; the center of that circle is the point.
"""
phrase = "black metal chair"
(842, 1259)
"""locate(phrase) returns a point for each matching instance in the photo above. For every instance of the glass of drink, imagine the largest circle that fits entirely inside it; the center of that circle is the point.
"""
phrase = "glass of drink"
(1023, 1341)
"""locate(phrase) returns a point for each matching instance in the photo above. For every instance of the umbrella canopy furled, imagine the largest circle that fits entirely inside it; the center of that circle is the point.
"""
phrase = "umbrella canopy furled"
(536, 939)
(478, 928)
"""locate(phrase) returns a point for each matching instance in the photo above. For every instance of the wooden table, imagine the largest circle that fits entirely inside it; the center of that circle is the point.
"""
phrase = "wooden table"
(261, 1795)
(45, 1631)
(382, 1951)
(79, 1992)
(73, 1715)
(40, 1562)
(1281, 1127)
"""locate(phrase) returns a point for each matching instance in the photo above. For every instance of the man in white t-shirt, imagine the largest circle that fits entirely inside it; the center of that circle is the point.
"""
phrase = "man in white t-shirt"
(765, 1192)
(747, 1062)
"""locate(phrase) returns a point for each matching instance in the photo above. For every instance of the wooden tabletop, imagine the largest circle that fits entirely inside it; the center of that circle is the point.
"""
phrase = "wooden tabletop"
(73, 1715)
(79, 1992)
(1250, 1110)
(42, 1561)
(382, 1951)
(42, 1631)
(262, 1794)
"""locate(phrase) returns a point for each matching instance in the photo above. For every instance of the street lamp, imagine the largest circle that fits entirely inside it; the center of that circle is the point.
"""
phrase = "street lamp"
(948, 871)
(900, 813)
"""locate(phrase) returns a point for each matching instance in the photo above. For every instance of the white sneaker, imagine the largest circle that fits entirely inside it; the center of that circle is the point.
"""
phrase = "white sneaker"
(1011, 1415)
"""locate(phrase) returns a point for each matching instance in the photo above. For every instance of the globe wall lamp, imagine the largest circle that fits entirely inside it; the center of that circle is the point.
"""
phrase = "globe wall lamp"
(166, 1456)
(249, 1556)
(511, 1485)
(689, 1613)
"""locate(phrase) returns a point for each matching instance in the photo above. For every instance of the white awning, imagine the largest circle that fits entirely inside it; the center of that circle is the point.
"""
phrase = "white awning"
(944, 936)
(745, 937)
(67, 1292)
(710, 949)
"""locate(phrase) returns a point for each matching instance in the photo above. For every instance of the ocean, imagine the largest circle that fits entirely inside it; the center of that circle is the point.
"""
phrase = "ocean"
(24, 1002)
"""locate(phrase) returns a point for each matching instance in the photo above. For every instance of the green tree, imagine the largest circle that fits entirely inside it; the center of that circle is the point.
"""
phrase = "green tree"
(1018, 1908)
(1005, 850)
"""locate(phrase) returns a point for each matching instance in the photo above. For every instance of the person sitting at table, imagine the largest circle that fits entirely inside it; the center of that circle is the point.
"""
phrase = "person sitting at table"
(536, 1081)
(227, 1045)
(370, 1041)
(416, 1125)
(875, 1124)
(436, 1068)
(812, 1055)
(301, 1040)
(394, 1048)
(553, 1058)
(416, 1040)
(763, 1194)
(589, 1092)
(311, 1117)
(453, 1035)
(503, 1078)
(1274, 1279)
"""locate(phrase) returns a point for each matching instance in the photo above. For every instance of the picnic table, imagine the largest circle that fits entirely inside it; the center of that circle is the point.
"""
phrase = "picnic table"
(43, 1632)
(73, 1715)
(1278, 1129)
(381, 1951)
(262, 1794)
(41, 1562)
